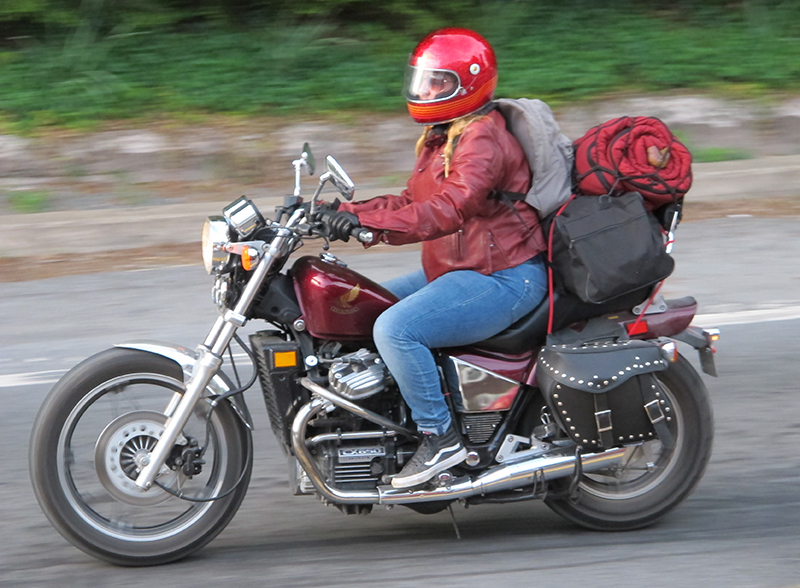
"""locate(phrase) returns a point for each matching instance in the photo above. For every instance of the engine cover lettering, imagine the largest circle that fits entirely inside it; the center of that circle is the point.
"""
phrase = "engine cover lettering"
(360, 454)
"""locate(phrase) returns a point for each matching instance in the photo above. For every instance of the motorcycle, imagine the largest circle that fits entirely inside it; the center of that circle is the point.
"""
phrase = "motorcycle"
(142, 454)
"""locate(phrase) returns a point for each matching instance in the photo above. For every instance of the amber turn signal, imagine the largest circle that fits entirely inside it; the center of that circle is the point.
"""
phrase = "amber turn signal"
(283, 359)
(249, 258)
(669, 351)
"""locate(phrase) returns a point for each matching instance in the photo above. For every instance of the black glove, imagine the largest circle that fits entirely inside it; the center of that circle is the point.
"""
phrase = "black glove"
(323, 206)
(320, 208)
(340, 223)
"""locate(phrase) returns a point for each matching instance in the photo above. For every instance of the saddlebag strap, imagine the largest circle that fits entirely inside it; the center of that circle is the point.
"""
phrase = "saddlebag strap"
(654, 401)
(602, 416)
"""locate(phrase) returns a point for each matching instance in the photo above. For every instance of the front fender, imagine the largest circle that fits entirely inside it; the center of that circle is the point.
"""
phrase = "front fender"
(186, 358)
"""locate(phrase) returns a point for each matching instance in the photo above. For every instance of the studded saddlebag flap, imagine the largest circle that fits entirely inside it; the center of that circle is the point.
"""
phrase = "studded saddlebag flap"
(606, 394)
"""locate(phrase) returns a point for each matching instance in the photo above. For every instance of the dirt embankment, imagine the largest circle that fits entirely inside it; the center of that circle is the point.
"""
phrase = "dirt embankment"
(119, 168)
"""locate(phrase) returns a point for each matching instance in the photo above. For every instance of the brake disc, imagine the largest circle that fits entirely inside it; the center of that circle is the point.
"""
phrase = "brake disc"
(123, 450)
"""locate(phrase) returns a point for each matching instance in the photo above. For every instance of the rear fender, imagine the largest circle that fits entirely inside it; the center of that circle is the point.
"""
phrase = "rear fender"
(702, 340)
(186, 358)
(674, 322)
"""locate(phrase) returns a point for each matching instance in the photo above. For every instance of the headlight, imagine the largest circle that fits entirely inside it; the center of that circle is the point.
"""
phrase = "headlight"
(215, 236)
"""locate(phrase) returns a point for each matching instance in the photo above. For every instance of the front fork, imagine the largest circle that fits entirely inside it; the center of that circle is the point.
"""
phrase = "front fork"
(210, 357)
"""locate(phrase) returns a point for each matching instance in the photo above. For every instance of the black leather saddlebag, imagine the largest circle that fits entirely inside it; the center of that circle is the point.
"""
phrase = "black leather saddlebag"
(606, 394)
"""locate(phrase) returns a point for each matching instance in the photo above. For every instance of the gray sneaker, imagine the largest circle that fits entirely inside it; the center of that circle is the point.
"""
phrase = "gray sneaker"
(435, 453)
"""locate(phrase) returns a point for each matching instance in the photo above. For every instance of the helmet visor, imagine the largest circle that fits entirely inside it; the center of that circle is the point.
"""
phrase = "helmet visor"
(430, 85)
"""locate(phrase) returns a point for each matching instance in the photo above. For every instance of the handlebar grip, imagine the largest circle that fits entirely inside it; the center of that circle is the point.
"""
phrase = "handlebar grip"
(362, 235)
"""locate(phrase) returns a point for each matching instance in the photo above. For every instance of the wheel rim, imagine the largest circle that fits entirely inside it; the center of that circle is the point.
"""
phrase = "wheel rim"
(113, 415)
(644, 466)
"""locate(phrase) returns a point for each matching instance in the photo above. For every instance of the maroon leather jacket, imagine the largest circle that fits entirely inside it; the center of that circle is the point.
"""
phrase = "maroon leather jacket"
(460, 225)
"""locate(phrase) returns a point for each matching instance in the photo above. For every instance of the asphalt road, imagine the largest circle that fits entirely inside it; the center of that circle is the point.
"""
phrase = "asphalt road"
(740, 528)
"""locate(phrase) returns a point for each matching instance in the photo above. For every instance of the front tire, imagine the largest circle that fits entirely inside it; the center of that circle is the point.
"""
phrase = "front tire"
(89, 439)
(653, 480)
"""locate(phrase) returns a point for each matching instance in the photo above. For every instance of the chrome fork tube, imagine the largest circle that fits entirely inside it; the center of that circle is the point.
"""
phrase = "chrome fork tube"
(203, 370)
(214, 332)
(210, 359)
(173, 404)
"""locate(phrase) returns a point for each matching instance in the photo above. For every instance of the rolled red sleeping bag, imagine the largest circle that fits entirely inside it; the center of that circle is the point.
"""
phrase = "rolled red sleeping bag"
(633, 154)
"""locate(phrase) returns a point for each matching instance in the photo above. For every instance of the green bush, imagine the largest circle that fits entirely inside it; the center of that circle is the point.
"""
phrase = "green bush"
(28, 201)
(105, 59)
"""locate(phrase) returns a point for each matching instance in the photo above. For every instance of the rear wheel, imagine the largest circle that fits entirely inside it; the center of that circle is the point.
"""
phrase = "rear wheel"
(94, 434)
(652, 479)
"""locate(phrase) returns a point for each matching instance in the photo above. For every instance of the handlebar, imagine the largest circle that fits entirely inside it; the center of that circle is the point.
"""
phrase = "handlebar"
(362, 235)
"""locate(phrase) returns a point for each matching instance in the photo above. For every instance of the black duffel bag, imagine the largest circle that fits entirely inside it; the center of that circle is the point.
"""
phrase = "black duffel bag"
(602, 247)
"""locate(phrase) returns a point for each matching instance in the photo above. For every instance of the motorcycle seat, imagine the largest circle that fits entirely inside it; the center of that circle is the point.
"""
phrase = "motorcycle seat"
(531, 330)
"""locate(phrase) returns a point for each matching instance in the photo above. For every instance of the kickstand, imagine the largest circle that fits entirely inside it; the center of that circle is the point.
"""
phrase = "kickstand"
(453, 517)
(576, 477)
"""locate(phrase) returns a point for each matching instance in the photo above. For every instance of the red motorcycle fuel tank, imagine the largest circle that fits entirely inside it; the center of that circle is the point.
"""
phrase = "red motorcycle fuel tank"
(337, 303)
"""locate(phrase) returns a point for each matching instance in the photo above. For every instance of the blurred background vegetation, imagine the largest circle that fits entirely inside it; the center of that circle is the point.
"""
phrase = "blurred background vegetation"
(75, 62)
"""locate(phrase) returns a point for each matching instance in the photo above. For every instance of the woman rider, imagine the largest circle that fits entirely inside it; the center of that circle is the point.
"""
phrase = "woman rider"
(482, 262)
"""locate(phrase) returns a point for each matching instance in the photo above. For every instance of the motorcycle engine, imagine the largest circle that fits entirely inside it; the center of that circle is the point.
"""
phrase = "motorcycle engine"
(359, 375)
(352, 457)
(349, 463)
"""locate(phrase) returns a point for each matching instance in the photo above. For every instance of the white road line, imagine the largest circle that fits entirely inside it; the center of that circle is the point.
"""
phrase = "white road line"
(747, 317)
(750, 171)
(52, 376)
(31, 378)
(742, 317)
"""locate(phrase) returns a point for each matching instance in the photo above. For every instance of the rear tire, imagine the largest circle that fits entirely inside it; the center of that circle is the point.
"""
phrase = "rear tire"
(654, 480)
(100, 418)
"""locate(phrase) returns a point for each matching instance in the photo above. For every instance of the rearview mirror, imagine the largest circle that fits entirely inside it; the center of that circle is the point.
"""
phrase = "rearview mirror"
(340, 179)
(308, 158)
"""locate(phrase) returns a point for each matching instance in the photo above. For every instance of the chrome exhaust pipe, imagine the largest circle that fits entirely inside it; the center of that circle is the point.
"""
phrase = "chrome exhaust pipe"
(505, 477)
(502, 477)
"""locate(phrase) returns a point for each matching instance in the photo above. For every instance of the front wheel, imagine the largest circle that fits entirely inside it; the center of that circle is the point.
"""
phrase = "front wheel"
(652, 479)
(94, 434)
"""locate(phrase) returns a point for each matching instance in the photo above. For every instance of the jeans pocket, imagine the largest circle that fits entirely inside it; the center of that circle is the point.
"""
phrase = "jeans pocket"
(533, 291)
(523, 305)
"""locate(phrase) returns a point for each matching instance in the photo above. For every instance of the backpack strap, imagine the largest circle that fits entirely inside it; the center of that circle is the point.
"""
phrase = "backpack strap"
(508, 198)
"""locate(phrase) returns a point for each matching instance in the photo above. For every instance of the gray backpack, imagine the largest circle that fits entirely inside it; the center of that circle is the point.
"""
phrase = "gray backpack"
(549, 152)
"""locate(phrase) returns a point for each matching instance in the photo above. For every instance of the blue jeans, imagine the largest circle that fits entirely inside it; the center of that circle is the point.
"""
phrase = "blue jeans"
(458, 308)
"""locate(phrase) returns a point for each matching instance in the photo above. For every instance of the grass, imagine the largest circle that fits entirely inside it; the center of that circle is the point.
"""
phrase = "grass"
(301, 70)
(714, 154)
(28, 201)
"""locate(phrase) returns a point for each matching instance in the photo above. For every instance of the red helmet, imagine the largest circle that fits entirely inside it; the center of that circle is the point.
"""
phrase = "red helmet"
(451, 73)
